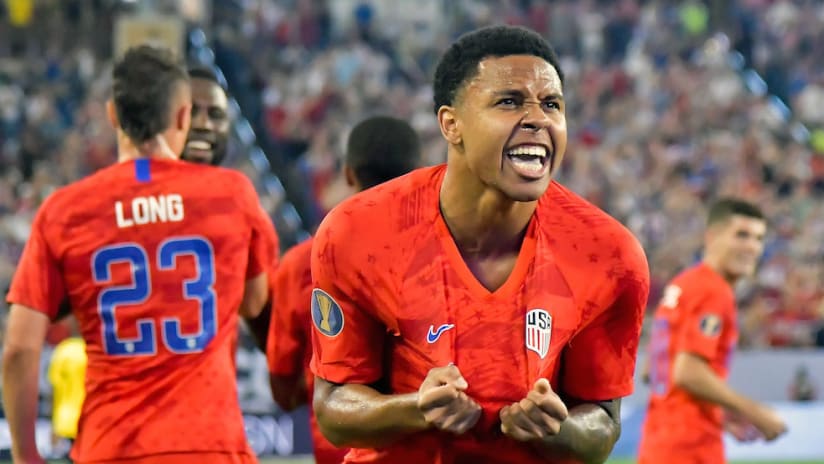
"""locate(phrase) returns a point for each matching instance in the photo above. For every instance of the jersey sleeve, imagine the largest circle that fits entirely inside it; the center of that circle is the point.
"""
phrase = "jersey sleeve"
(347, 339)
(288, 340)
(38, 282)
(599, 363)
(702, 325)
(263, 249)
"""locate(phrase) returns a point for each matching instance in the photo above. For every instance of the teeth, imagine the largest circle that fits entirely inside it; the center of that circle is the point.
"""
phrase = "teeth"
(532, 150)
(199, 145)
(530, 165)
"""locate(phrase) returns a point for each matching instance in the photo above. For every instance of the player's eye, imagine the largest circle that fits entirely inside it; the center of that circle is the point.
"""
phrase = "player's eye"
(551, 105)
(506, 102)
(215, 113)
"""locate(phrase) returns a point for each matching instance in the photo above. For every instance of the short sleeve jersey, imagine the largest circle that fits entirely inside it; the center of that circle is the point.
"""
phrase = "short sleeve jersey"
(697, 315)
(393, 298)
(289, 346)
(152, 257)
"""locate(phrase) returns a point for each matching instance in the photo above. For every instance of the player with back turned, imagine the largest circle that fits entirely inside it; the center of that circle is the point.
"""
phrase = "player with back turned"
(156, 269)
(478, 311)
(379, 148)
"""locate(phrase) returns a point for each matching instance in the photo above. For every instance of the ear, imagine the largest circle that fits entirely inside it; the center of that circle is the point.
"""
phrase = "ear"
(351, 178)
(111, 114)
(449, 125)
(183, 117)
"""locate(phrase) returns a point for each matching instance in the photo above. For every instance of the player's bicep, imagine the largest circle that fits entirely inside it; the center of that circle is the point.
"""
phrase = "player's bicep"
(286, 344)
(700, 330)
(25, 330)
(38, 282)
(347, 340)
(264, 242)
(255, 295)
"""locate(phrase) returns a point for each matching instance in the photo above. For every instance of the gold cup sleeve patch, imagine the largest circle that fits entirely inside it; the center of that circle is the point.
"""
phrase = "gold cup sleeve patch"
(711, 325)
(326, 313)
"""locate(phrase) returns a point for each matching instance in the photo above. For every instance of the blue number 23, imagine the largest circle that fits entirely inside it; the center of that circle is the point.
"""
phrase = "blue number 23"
(199, 289)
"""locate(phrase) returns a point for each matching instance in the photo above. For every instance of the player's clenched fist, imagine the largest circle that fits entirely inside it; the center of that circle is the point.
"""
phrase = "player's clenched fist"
(767, 422)
(443, 403)
(535, 417)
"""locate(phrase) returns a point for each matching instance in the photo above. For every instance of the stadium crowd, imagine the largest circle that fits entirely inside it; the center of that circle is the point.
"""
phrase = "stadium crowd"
(662, 114)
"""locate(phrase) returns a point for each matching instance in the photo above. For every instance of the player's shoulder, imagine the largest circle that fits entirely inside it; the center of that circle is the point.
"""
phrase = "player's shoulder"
(80, 195)
(701, 281)
(398, 203)
(297, 256)
(214, 176)
(565, 213)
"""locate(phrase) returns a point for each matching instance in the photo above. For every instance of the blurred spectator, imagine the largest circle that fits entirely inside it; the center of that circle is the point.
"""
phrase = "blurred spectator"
(802, 388)
(660, 121)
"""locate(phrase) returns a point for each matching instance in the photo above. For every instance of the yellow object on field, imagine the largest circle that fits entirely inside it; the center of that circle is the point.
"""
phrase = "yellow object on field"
(67, 374)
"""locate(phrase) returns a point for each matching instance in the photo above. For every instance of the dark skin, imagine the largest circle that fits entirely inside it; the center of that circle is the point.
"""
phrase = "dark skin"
(210, 123)
(487, 200)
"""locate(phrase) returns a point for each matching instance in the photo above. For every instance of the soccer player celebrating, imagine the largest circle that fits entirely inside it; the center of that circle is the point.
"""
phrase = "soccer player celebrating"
(379, 149)
(208, 143)
(694, 334)
(208, 139)
(156, 269)
(478, 311)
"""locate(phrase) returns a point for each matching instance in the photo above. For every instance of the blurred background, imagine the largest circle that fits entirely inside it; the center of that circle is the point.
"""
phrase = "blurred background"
(670, 104)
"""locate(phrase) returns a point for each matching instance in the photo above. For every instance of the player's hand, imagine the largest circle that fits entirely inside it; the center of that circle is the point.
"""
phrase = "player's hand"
(740, 428)
(767, 421)
(443, 403)
(536, 417)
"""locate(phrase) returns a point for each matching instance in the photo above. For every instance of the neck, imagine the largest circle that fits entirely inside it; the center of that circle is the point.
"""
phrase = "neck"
(482, 220)
(715, 264)
(157, 147)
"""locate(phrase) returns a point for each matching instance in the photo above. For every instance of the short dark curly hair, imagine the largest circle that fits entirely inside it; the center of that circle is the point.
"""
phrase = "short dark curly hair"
(460, 62)
(381, 148)
(145, 80)
(208, 73)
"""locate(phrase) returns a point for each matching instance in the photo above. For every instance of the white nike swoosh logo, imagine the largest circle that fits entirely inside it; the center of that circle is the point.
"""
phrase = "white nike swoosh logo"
(435, 334)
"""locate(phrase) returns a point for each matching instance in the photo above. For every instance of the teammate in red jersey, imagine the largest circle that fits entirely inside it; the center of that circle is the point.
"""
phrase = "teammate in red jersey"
(693, 337)
(379, 149)
(478, 311)
(208, 143)
(156, 269)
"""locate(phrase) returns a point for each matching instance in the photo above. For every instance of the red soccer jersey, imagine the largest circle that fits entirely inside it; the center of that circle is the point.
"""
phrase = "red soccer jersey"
(394, 298)
(288, 347)
(153, 256)
(696, 315)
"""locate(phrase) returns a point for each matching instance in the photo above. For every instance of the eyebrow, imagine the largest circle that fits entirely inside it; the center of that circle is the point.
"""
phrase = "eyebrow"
(518, 93)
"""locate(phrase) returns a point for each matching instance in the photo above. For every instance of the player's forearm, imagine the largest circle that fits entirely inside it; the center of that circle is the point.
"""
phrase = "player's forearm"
(360, 416)
(695, 376)
(20, 371)
(587, 436)
(289, 392)
(259, 328)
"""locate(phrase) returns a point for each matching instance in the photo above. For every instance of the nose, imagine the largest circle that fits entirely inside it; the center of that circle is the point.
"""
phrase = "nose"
(534, 118)
(200, 120)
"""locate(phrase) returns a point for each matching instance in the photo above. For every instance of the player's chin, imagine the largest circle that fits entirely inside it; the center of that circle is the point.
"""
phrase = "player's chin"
(198, 156)
(526, 190)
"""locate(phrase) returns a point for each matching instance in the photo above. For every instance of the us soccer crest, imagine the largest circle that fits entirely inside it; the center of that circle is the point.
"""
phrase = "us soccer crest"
(538, 331)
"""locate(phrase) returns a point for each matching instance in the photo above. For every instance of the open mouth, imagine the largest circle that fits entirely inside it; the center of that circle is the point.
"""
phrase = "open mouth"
(529, 161)
(199, 148)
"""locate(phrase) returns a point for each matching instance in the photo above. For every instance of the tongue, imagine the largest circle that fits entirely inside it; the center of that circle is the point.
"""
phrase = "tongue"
(529, 167)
